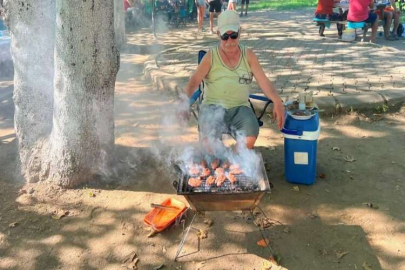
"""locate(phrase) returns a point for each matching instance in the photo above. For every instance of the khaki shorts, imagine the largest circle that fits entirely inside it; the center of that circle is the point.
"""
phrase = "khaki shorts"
(215, 120)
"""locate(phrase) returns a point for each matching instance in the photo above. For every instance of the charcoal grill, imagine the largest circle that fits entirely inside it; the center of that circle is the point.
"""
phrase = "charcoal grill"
(244, 194)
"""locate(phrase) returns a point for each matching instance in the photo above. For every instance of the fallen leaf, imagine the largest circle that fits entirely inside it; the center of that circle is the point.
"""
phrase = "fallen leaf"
(336, 148)
(286, 230)
(349, 159)
(341, 254)
(347, 171)
(371, 205)
(366, 266)
(202, 234)
(271, 148)
(296, 188)
(91, 194)
(60, 214)
(322, 175)
(159, 267)
(327, 190)
(209, 222)
(312, 216)
(13, 225)
(152, 233)
(164, 249)
(262, 243)
(22, 191)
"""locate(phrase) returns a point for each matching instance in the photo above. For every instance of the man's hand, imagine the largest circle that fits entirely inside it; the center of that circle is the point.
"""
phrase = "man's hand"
(183, 109)
(279, 114)
(183, 116)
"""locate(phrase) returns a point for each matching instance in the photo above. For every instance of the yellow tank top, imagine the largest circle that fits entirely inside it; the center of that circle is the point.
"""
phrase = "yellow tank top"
(228, 87)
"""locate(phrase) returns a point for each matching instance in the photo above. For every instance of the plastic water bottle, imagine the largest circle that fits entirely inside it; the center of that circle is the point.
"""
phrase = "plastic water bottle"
(301, 104)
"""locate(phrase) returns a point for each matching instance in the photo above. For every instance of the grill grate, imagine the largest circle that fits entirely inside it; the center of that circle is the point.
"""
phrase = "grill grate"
(242, 184)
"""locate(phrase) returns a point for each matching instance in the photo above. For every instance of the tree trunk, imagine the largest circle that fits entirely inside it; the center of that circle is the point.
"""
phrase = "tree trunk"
(86, 64)
(119, 23)
(66, 134)
(32, 28)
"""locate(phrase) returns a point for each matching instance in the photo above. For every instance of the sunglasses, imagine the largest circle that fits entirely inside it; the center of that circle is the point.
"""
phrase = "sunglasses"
(226, 36)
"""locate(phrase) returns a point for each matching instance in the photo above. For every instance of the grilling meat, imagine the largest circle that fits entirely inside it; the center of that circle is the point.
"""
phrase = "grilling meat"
(236, 171)
(194, 170)
(215, 164)
(194, 182)
(234, 166)
(232, 178)
(210, 180)
(203, 163)
(220, 179)
(219, 171)
(226, 164)
(206, 172)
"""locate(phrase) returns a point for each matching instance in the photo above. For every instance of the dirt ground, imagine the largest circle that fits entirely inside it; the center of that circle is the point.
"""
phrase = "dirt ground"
(351, 218)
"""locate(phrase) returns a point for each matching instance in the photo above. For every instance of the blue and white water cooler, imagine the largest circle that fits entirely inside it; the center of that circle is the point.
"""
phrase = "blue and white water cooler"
(300, 148)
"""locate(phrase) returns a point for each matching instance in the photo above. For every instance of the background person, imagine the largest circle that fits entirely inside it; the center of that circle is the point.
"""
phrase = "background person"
(324, 10)
(390, 13)
(200, 13)
(228, 71)
(247, 7)
(232, 4)
(215, 6)
(359, 11)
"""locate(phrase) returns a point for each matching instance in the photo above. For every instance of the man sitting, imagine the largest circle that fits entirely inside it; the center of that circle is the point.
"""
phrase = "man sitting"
(359, 11)
(228, 71)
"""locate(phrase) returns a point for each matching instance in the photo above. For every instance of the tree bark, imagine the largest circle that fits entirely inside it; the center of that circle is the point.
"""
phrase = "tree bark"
(119, 23)
(63, 87)
(32, 28)
(86, 64)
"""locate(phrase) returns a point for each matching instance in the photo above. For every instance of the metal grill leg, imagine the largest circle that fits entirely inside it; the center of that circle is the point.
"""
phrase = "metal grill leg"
(184, 237)
(264, 237)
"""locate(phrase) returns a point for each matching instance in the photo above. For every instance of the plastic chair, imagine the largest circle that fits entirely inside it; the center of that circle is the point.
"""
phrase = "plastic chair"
(198, 96)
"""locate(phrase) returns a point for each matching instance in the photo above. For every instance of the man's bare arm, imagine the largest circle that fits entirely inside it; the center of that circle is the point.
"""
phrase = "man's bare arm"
(267, 87)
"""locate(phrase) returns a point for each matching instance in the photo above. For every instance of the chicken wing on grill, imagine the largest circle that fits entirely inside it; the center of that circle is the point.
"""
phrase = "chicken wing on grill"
(220, 179)
(232, 178)
(203, 163)
(219, 171)
(194, 182)
(210, 180)
(235, 169)
(226, 164)
(194, 170)
(206, 172)
(215, 164)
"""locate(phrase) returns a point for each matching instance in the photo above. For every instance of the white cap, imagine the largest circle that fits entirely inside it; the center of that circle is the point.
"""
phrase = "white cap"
(228, 21)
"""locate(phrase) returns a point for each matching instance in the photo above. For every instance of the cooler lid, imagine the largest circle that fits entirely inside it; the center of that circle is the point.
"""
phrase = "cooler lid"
(310, 125)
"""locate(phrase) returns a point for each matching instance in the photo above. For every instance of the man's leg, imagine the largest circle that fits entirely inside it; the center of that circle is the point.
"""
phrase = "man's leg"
(212, 22)
(397, 15)
(250, 142)
(387, 25)
(243, 124)
(241, 9)
(247, 7)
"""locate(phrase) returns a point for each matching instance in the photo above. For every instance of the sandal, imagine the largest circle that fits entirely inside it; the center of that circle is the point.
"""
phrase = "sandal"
(390, 38)
(396, 37)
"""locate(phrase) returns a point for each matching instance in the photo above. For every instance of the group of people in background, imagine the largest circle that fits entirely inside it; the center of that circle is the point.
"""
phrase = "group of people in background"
(215, 8)
(363, 11)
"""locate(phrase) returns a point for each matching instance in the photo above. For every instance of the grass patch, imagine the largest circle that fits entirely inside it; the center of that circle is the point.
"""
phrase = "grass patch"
(281, 4)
